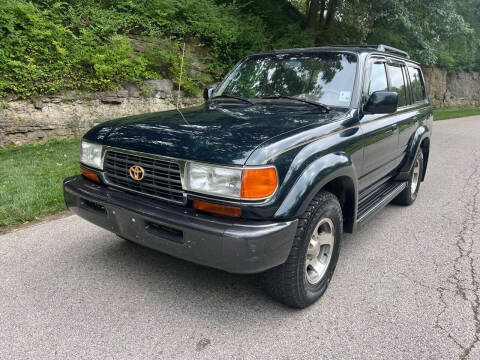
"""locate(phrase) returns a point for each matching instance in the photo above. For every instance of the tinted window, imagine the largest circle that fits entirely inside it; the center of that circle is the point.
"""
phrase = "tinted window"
(327, 78)
(397, 84)
(378, 78)
(417, 84)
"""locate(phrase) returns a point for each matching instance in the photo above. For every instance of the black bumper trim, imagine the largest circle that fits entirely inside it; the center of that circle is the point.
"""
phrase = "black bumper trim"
(233, 245)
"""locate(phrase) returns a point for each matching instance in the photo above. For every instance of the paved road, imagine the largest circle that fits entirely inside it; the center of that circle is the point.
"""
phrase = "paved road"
(406, 286)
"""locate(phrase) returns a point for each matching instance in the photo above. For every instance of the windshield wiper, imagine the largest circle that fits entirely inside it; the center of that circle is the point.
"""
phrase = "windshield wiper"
(326, 107)
(228, 96)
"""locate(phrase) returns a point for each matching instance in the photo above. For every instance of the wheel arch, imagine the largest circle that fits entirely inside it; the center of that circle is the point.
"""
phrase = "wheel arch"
(334, 173)
(343, 188)
(419, 141)
(425, 147)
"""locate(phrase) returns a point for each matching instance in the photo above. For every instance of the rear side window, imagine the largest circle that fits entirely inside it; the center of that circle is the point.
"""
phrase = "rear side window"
(378, 78)
(418, 88)
(397, 83)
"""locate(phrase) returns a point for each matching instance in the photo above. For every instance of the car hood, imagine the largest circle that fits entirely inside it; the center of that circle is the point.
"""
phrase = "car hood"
(207, 133)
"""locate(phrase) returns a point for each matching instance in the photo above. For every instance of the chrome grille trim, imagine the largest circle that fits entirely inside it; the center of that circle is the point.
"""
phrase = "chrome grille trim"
(163, 176)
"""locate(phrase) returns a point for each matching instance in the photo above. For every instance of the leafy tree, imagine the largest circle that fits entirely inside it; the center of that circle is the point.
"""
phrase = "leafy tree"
(436, 32)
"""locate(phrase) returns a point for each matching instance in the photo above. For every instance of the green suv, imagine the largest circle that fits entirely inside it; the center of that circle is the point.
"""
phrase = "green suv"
(293, 148)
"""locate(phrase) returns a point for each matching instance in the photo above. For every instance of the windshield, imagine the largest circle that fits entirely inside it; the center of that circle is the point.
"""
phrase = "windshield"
(326, 78)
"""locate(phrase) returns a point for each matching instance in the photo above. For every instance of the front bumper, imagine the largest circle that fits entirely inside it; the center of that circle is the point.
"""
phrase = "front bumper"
(233, 245)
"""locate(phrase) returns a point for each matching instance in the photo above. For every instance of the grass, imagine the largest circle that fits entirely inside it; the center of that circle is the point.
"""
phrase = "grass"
(31, 181)
(450, 113)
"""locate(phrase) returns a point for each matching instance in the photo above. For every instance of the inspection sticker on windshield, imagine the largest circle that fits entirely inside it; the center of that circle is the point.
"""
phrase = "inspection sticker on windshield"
(345, 96)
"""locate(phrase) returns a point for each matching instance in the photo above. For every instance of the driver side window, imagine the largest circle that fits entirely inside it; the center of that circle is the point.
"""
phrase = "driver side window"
(378, 78)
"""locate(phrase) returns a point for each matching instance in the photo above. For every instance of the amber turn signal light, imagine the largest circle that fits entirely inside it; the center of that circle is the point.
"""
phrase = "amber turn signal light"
(258, 183)
(90, 175)
(217, 208)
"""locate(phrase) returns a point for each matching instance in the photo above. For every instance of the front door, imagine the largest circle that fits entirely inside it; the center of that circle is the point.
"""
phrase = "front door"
(380, 131)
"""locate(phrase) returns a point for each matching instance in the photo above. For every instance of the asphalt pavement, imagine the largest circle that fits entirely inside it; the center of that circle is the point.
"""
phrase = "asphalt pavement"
(407, 286)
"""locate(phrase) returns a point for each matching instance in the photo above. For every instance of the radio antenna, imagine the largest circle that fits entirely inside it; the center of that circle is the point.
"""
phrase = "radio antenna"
(181, 73)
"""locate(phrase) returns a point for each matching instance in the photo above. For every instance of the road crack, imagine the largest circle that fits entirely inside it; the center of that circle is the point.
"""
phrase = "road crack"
(464, 277)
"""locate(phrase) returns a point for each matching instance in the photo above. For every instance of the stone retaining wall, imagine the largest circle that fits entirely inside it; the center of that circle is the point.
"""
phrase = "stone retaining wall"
(452, 89)
(71, 114)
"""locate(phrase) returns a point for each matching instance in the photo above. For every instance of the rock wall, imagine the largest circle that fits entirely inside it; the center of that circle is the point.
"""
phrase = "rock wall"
(71, 114)
(450, 88)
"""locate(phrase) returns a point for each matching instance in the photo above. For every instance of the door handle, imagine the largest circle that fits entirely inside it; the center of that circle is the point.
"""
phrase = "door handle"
(394, 127)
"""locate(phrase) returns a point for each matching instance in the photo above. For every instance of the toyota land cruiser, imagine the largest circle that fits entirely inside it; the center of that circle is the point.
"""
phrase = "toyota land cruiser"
(290, 150)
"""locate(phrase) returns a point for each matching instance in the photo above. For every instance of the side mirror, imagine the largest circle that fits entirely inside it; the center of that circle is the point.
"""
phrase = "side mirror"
(207, 93)
(381, 102)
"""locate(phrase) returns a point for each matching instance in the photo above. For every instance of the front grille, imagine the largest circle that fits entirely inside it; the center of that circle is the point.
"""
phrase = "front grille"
(162, 177)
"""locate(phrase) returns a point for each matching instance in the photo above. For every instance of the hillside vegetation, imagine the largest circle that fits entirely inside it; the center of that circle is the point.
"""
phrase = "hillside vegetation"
(47, 45)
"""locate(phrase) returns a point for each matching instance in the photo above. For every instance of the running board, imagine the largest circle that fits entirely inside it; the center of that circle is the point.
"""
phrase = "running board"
(374, 201)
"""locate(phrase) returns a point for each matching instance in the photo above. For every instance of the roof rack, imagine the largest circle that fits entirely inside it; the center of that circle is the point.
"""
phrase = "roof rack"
(379, 47)
(391, 49)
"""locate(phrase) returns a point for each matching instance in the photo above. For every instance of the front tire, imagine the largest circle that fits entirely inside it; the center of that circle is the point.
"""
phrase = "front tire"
(305, 276)
(409, 194)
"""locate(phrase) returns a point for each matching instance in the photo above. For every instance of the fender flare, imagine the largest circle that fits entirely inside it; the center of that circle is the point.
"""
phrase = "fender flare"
(421, 134)
(317, 174)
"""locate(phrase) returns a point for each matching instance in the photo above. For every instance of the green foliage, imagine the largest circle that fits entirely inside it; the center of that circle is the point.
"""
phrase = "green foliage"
(168, 53)
(40, 55)
(49, 45)
(104, 65)
(280, 19)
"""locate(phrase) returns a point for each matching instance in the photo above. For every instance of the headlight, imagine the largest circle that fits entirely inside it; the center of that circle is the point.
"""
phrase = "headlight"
(91, 154)
(213, 180)
(237, 183)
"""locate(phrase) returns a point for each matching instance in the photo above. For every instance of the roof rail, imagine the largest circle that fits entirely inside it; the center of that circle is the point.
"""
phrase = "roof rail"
(391, 49)
(355, 46)
(379, 47)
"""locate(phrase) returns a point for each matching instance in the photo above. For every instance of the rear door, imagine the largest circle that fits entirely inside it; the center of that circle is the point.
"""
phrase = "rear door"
(405, 118)
(418, 97)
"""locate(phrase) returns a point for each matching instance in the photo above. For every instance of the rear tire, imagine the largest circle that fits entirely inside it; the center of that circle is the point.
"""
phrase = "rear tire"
(409, 194)
(305, 276)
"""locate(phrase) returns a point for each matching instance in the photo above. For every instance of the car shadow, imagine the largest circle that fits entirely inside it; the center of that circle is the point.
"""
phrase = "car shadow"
(181, 283)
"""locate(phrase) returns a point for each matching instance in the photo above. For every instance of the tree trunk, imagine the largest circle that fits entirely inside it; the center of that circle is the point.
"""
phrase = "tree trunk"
(332, 8)
(312, 14)
(322, 10)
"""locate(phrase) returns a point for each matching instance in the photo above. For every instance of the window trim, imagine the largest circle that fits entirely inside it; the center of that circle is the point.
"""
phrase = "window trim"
(368, 75)
(400, 65)
(364, 76)
(422, 83)
(406, 80)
